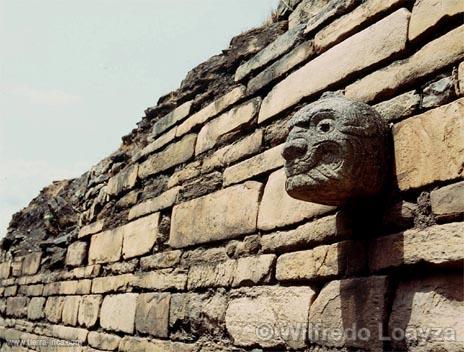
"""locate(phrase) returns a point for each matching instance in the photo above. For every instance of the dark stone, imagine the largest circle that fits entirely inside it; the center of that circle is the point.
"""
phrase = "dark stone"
(201, 186)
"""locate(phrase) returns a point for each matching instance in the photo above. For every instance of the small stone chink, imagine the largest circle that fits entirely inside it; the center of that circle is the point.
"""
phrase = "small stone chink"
(336, 152)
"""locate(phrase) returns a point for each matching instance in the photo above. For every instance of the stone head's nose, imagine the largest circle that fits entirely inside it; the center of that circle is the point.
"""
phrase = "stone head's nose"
(294, 149)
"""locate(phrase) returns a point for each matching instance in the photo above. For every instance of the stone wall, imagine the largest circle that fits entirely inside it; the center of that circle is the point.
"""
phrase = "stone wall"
(185, 239)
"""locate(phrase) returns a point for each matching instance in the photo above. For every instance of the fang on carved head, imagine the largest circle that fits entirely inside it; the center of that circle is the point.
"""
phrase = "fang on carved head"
(336, 152)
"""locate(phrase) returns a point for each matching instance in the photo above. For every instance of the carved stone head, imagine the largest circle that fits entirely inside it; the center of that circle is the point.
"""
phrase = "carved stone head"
(336, 152)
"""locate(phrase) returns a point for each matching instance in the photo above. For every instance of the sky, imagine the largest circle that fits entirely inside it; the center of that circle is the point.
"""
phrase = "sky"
(75, 76)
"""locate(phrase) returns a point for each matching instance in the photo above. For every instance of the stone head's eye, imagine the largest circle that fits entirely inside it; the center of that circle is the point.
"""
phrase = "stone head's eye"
(324, 126)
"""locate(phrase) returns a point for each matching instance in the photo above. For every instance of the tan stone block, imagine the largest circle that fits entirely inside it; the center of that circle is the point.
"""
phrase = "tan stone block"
(10, 291)
(374, 44)
(135, 344)
(107, 342)
(35, 309)
(162, 280)
(76, 253)
(140, 236)
(429, 303)
(31, 263)
(52, 288)
(270, 160)
(152, 314)
(165, 200)
(448, 200)
(70, 310)
(211, 110)
(328, 261)
(186, 173)
(81, 287)
(437, 244)
(227, 155)
(224, 214)
(69, 333)
(253, 270)
(432, 57)
(32, 290)
(17, 266)
(427, 14)
(345, 26)
(460, 90)
(278, 209)
(106, 247)
(233, 120)
(118, 312)
(54, 309)
(331, 9)
(175, 154)
(123, 181)
(212, 275)
(397, 108)
(202, 255)
(5, 269)
(169, 120)
(430, 147)
(112, 283)
(272, 311)
(89, 310)
(17, 307)
(91, 229)
(161, 260)
(367, 309)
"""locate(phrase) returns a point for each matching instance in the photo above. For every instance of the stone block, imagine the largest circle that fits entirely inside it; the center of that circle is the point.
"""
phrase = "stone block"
(323, 262)
(89, 310)
(269, 160)
(438, 92)
(35, 309)
(81, 287)
(112, 283)
(438, 244)
(211, 275)
(432, 57)
(5, 269)
(118, 312)
(31, 290)
(157, 144)
(374, 44)
(430, 147)
(357, 305)
(399, 107)
(186, 173)
(31, 263)
(17, 307)
(161, 260)
(106, 247)
(434, 304)
(68, 333)
(17, 266)
(278, 209)
(91, 229)
(427, 14)
(123, 181)
(174, 154)
(169, 120)
(211, 110)
(54, 309)
(460, 84)
(252, 271)
(70, 310)
(103, 341)
(164, 279)
(152, 314)
(136, 344)
(140, 236)
(448, 200)
(217, 216)
(264, 316)
(76, 253)
(10, 291)
(165, 200)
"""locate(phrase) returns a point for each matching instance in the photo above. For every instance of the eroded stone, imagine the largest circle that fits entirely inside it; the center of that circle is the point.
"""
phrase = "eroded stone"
(118, 312)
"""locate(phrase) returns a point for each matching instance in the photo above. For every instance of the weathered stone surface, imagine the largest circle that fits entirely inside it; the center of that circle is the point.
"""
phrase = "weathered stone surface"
(135, 344)
(251, 271)
(400, 215)
(91, 229)
(10, 291)
(448, 200)
(173, 155)
(278, 209)
(54, 309)
(17, 266)
(31, 290)
(118, 312)
(152, 314)
(345, 26)
(435, 55)
(17, 307)
(430, 147)
(123, 181)
(201, 255)
(186, 173)
(427, 14)
(332, 9)
(211, 110)
(161, 260)
(70, 310)
(279, 68)
(211, 275)
(162, 280)
(169, 120)
(233, 120)
(106, 247)
(76, 253)
(399, 107)
(5, 269)
(429, 303)
(81, 287)
(366, 309)
(200, 186)
(269, 160)
(112, 283)
(265, 315)
(224, 214)
(460, 84)
(140, 236)
(89, 310)
(438, 93)
(376, 43)
(35, 309)
(107, 342)
(165, 200)
(437, 244)
(31, 263)
(158, 143)
(277, 48)
(335, 260)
